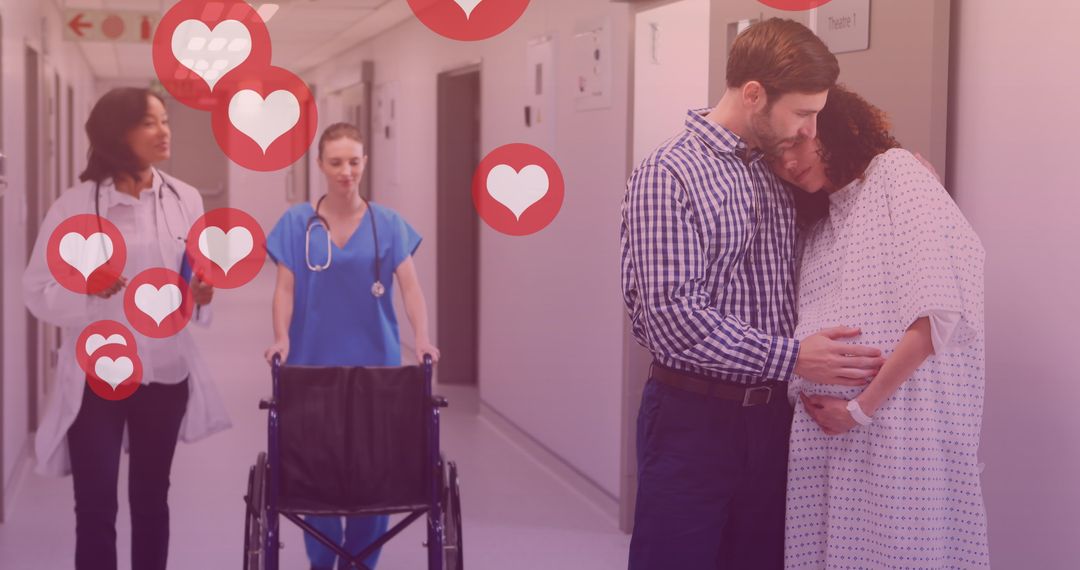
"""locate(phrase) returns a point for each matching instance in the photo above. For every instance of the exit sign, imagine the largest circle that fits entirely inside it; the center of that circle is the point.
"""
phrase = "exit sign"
(110, 25)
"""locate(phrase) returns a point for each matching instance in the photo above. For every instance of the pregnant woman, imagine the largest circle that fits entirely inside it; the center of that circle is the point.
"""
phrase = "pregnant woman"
(886, 475)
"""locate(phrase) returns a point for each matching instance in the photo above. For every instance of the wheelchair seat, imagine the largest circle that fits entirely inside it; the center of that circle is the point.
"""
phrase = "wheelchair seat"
(353, 440)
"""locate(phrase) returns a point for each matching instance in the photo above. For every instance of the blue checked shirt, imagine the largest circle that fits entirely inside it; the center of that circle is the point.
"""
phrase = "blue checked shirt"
(708, 258)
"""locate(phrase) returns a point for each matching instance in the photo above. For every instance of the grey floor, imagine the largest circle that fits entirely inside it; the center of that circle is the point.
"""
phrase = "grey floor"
(517, 514)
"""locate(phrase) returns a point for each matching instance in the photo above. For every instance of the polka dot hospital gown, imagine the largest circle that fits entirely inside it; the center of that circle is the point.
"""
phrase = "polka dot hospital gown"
(903, 492)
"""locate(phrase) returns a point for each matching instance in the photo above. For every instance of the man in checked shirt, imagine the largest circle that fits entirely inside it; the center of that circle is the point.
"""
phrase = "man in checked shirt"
(708, 273)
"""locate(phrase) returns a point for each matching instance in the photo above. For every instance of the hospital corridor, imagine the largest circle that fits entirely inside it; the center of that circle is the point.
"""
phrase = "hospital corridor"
(525, 514)
(538, 284)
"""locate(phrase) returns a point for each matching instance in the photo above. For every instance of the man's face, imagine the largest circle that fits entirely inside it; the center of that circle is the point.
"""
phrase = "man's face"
(790, 118)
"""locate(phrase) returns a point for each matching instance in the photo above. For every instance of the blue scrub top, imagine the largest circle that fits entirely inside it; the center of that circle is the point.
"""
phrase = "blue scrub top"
(336, 320)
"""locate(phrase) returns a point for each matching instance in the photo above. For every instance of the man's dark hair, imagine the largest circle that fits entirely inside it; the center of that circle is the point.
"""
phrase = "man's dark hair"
(784, 56)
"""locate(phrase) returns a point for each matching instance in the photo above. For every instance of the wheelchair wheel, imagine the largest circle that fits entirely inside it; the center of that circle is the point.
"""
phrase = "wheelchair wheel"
(255, 516)
(453, 552)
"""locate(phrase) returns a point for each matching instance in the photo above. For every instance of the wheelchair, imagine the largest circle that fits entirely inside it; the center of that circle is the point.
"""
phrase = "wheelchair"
(353, 441)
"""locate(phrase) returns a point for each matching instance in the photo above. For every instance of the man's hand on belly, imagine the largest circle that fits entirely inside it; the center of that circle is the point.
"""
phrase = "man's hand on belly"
(825, 360)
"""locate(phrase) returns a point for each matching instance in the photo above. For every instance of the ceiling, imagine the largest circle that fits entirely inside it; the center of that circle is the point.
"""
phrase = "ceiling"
(304, 32)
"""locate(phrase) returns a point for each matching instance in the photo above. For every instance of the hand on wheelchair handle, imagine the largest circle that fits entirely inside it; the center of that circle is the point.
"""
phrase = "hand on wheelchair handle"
(425, 350)
(279, 349)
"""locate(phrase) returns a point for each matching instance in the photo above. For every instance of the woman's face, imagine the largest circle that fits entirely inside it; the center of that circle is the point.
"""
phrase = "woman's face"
(150, 139)
(802, 165)
(343, 162)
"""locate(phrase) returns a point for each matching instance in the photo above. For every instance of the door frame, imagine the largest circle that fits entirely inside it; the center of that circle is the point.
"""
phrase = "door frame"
(32, 58)
(445, 328)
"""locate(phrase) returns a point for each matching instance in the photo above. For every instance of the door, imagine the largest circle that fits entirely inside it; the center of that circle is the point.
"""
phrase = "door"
(3, 273)
(49, 354)
(356, 106)
(34, 191)
(196, 158)
(671, 75)
(70, 136)
(458, 226)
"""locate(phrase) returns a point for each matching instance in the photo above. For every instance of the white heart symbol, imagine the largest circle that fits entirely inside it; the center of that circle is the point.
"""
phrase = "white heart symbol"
(264, 120)
(114, 372)
(158, 303)
(468, 6)
(226, 249)
(86, 254)
(211, 54)
(518, 191)
(97, 341)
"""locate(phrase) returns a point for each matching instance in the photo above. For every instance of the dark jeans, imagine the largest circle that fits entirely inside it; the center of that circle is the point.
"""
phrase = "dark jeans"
(152, 414)
(712, 478)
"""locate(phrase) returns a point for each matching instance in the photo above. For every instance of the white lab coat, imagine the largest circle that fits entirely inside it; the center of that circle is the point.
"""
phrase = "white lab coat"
(51, 302)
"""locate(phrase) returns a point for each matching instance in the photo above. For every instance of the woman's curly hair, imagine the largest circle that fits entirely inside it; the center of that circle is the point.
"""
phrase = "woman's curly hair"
(852, 132)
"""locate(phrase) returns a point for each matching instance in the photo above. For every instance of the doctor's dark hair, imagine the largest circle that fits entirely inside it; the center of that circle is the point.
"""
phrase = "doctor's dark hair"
(784, 56)
(339, 131)
(111, 120)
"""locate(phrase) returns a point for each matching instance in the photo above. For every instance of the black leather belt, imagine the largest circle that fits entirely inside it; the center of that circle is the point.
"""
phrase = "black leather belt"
(754, 395)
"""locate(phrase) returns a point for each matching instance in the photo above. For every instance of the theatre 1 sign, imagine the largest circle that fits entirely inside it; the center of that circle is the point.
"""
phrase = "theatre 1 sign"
(109, 25)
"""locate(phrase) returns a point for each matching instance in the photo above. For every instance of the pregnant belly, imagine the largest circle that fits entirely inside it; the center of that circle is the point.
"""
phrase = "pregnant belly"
(812, 388)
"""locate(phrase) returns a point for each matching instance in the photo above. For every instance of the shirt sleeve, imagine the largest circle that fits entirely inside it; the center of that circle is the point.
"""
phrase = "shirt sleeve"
(281, 243)
(939, 259)
(406, 240)
(677, 317)
(43, 295)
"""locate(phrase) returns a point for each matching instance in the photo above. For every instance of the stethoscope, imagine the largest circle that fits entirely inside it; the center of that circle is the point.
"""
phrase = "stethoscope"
(161, 203)
(377, 289)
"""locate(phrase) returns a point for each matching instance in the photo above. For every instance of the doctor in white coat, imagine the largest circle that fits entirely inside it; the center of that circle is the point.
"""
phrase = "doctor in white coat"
(80, 432)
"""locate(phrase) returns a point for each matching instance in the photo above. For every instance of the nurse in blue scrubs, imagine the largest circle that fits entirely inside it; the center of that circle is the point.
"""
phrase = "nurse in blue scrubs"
(332, 303)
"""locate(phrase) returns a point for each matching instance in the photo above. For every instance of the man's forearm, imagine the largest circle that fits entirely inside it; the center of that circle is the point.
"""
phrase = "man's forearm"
(728, 346)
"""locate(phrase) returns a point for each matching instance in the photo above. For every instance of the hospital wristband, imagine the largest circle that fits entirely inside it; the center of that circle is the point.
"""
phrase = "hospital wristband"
(857, 413)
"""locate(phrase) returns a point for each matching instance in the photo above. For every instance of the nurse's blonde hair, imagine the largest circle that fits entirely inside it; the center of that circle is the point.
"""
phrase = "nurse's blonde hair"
(339, 131)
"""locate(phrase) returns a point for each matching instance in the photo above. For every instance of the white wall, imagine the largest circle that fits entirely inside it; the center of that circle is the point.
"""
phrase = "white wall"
(1015, 121)
(551, 312)
(22, 26)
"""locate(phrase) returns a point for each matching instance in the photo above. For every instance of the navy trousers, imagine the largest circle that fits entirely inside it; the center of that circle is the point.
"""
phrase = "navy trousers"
(153, 415)
(712, 479)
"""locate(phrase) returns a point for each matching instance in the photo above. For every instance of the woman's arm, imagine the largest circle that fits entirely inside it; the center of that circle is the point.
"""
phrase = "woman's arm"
(914, 348)
(415, 308)
(44, 297)
(282, 310)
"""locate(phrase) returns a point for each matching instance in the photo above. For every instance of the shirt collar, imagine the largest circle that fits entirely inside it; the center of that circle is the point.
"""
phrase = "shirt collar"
(110, 196)
(718, 137)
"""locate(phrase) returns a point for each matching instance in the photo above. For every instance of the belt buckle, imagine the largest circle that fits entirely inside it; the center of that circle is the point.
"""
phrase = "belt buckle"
(749, 391)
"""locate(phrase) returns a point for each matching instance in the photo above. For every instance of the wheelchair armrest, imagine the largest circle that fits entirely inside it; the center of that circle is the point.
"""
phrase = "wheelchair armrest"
(440, 402)
(266, 404)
